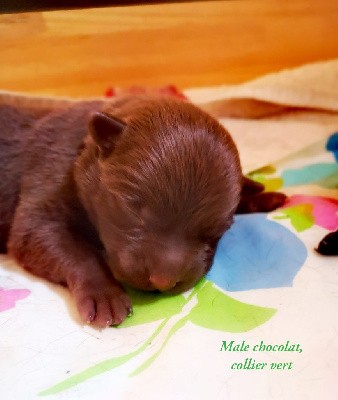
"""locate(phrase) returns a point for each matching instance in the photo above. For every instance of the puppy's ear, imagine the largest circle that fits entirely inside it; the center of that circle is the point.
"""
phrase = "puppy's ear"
(105, 130)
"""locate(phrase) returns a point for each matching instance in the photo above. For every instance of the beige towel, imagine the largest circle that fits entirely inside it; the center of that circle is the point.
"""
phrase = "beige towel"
(277, 114)
(269, 117)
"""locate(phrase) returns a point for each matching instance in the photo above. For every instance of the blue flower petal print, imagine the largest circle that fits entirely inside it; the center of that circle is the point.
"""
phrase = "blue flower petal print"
(332, 145)
(257, 253)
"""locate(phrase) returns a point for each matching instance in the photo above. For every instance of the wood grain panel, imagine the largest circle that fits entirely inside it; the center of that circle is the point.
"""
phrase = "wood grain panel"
(80, 53)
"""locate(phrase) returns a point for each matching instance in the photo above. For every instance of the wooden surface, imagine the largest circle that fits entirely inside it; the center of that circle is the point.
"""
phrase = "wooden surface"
(81, 53)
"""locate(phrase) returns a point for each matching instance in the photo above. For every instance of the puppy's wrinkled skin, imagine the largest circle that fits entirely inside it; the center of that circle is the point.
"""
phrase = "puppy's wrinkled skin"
(136, 191)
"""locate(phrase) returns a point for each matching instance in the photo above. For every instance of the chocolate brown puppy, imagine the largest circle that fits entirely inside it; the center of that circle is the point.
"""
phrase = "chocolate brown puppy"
(134, 191)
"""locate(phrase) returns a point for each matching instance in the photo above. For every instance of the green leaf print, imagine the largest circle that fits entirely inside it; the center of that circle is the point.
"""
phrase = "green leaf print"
(214, 310)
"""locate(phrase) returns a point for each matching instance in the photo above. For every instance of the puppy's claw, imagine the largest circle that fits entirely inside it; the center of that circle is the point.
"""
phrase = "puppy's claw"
(90, 319)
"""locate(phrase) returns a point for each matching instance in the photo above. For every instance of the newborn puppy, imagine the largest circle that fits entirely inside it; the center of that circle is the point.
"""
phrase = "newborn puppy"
(136, 191)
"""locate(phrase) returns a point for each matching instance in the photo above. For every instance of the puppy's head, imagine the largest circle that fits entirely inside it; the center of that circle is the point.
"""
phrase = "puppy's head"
(161, 183)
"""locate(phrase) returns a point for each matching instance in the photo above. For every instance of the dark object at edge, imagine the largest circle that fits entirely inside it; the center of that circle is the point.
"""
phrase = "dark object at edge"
(19, 6)
(329, 245)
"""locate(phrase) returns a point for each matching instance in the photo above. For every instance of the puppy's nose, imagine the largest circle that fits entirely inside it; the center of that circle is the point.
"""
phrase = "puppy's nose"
(162, 283)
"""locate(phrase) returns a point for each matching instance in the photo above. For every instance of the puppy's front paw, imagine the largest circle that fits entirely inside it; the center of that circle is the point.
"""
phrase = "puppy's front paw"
(261, 202)
(102, 305)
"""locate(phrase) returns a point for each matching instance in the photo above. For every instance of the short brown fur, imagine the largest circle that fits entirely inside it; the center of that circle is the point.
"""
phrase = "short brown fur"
(135, 191)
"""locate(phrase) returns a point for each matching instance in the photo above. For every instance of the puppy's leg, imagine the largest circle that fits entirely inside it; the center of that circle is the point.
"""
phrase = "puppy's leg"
(254, 199)
(43, 244)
